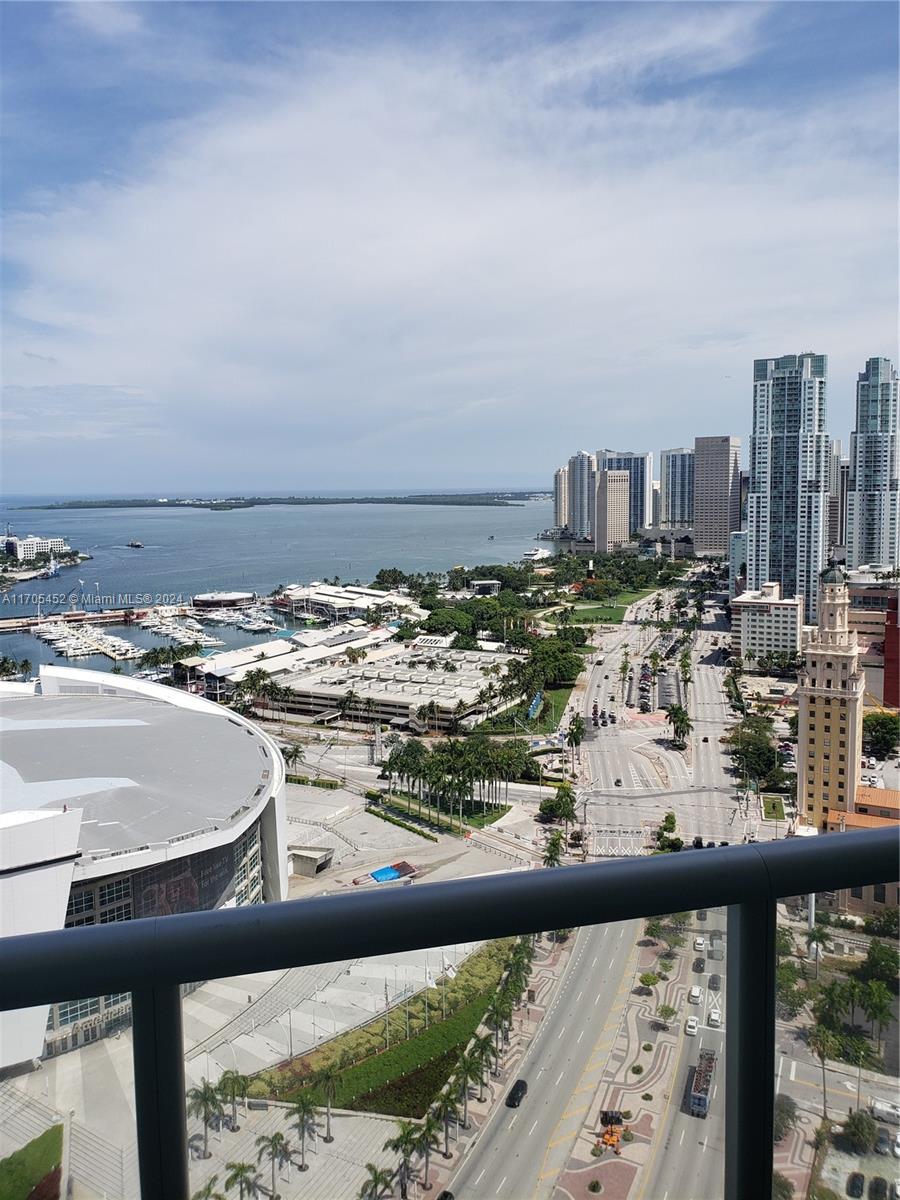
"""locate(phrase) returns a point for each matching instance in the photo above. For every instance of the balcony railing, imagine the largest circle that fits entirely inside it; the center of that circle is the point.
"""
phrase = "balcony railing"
(151, 958)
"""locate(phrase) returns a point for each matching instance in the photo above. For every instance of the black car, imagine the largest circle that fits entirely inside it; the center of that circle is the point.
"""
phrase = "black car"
(698, 843)
(445, 1195)
(604, 722)
(516, 1094)
(715, 983)
(612, 718)
(878, 1188)
(699, 965)
(883, 1141)
(701, 914)
(705, 738)
(618, 783)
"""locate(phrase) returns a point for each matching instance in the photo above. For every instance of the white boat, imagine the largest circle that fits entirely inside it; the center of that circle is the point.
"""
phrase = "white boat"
(535, 554)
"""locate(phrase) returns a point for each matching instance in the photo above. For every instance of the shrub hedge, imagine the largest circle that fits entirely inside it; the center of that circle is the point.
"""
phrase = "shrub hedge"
(383, 816)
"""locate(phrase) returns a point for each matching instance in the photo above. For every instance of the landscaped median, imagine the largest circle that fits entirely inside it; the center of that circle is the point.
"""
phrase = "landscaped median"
(34, 1172)
(401, 1080)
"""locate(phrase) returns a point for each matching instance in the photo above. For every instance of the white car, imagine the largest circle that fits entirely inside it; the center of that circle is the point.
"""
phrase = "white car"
(691, 1026)
(714, 1018)
(695, 995)
(699, 943)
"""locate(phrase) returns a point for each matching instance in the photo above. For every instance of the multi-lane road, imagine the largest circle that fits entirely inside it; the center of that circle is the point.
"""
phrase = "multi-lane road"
(520, 1151)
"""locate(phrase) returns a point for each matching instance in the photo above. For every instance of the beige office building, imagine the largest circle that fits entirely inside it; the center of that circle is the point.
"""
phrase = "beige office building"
(611, 524)
(717, 494)
(830, 699)
(764, 623)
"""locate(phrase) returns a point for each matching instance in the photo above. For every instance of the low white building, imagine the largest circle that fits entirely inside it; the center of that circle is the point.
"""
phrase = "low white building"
(27, 548)
(450, 686)
(336, 603)
(764, 623)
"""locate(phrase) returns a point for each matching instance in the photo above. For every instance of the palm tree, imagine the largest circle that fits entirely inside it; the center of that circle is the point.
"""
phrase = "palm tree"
(468, 1070)
(292, 756)
(446, 1110)
(208, 1191)
(553, 850)
(327, 1081)
(681, 723)
(242, 1175)
(854, 992)
(203, 1102)
(824, 1045)
(231, 1085)
(877, 1005)
(819, 937)
(565, 805)
(426, 1141)
(377, 1182)
(276, 1146)
(404, 1144)
(483, 1053)
(304, 1112)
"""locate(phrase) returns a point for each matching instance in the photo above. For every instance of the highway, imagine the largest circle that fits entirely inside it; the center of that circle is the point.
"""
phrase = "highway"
(519, 1152)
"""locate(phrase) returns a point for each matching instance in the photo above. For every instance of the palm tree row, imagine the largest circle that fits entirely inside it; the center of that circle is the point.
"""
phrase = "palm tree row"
(207, 1102)
(459, 776)
(166, 656)
(481, 1057)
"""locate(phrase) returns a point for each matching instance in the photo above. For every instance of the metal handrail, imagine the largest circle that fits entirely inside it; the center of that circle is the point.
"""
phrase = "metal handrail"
(152, 957)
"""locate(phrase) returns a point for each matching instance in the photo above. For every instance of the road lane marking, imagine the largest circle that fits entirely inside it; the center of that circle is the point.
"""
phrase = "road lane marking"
(478, 1180)
(502, 1181)
(580, 994)
(703, 1145)
(530, 1132)
(513, 1121)
(681, 1139)
(793, 1070)
(561, 1032)
(580, 1036)
(560, 1077)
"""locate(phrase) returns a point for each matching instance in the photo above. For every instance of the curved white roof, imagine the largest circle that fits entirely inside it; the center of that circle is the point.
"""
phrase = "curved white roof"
(142, 770)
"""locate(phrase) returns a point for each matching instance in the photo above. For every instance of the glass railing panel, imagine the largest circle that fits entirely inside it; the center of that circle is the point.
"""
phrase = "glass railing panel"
(353, 1063)
(67, 1106)
(837, 1099)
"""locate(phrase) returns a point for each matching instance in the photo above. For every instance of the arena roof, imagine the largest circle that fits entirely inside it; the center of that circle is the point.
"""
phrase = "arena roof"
(143, 771)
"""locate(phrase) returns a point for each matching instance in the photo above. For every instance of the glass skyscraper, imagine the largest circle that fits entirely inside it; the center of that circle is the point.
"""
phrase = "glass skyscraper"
(790, 451)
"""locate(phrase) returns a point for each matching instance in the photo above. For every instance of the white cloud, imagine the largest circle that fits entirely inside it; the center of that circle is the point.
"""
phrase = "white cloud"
(105, 18)
(394, 257)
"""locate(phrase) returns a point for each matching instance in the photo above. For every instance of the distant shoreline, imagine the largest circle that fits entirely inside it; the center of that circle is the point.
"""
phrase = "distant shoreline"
(225, 504)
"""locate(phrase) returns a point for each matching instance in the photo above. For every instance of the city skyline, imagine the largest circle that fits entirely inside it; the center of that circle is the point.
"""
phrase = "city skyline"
(279, 246)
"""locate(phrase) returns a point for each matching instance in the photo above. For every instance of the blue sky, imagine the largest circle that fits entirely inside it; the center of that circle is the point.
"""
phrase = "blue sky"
(297, 246)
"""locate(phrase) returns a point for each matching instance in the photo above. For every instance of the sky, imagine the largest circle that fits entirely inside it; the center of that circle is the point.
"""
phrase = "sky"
(303, 246)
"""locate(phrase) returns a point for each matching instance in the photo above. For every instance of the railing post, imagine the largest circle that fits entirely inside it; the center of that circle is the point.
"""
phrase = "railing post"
(750, 1050)
(159, 1093)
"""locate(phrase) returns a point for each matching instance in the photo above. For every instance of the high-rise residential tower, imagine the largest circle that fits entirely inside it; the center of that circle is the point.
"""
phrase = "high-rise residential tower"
(582, 494)
(561, 497)
(676, 487)
(873, 499)
(787, 510)
(612, 524)
(834, 495)
(717, 493)
(830, 695)
(640, 471)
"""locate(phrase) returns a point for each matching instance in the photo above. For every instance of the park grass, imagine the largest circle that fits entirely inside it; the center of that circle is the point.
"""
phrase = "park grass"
(479, 820)
(467, 996)
(547, 720)
(24, 1169)
(773, 808)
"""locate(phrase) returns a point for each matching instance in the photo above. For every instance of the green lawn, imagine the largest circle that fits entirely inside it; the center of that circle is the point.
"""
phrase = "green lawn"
(605, 614)
(23, 1170)
(547, 720)
(773, 808)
